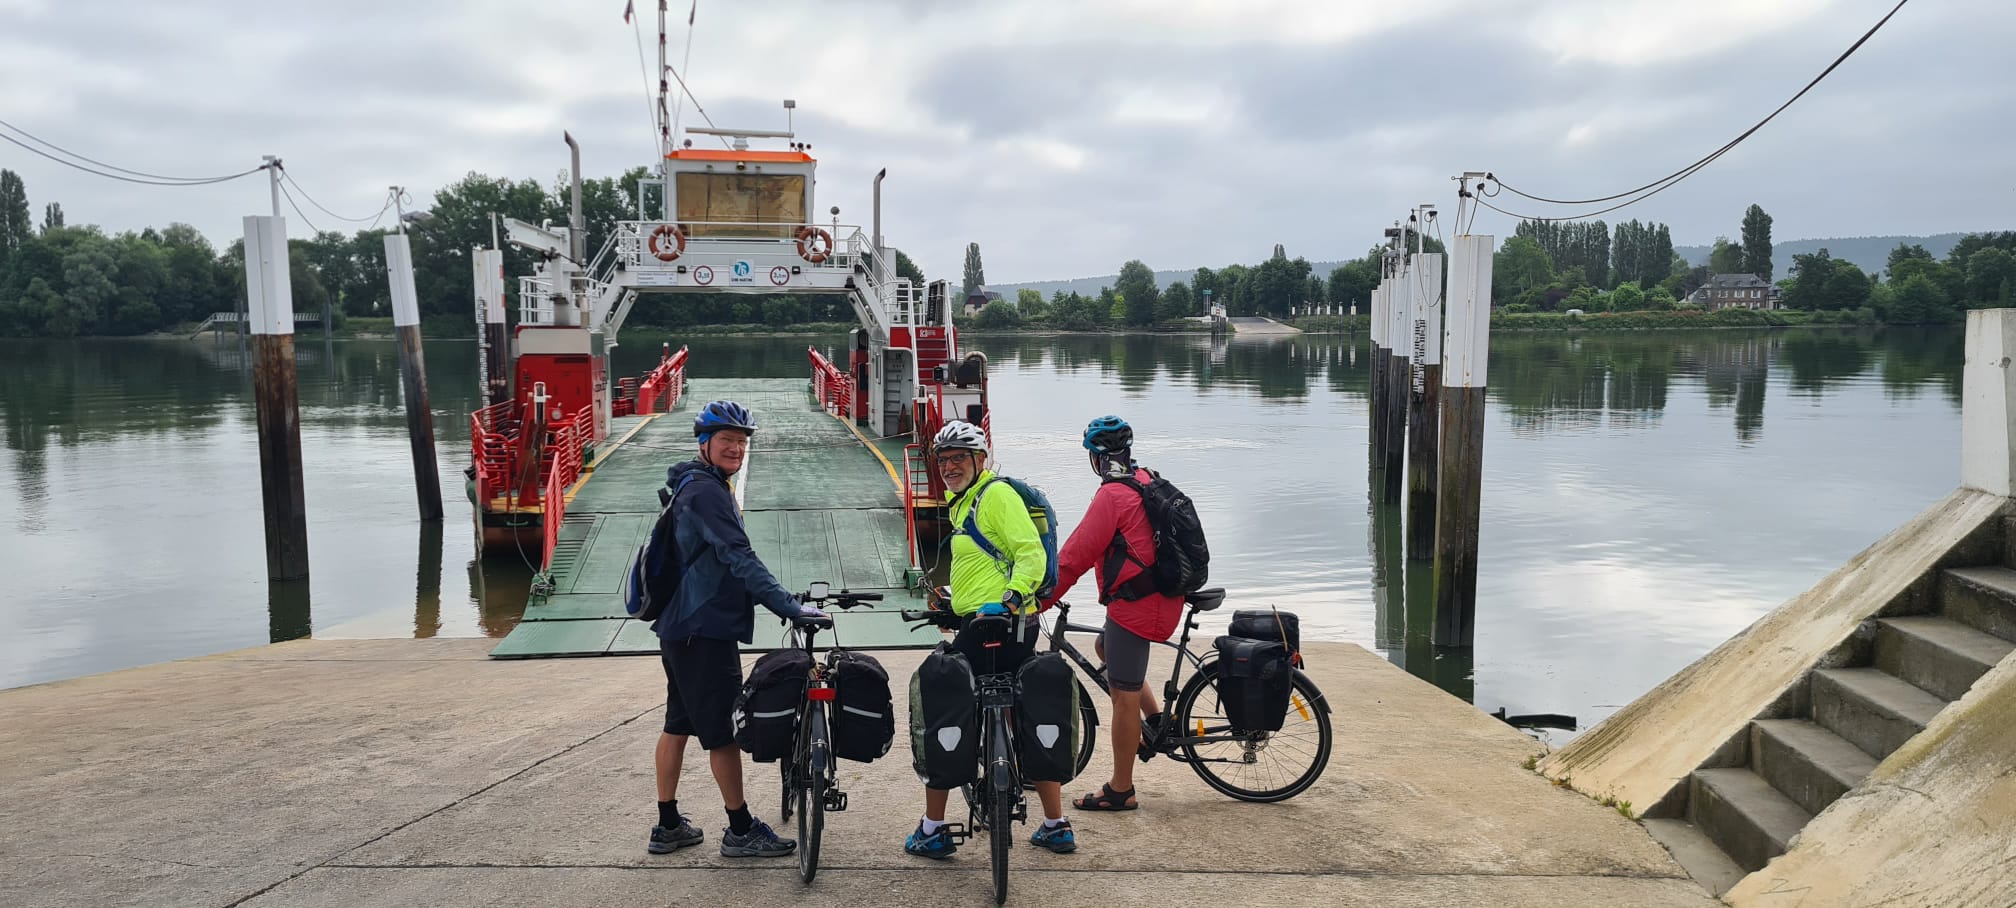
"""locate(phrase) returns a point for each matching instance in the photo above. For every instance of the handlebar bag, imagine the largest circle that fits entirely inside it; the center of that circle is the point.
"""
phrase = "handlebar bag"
(766, 711)
(864, 715)
(945, 720)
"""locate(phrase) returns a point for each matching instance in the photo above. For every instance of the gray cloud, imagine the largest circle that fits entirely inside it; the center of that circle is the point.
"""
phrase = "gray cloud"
(1063, 149)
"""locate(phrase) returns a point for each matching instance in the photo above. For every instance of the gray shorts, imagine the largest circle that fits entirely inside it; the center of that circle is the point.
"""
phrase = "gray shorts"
(1126, 657)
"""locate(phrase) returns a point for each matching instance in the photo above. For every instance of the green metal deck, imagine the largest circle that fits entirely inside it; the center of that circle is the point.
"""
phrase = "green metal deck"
(819, 501)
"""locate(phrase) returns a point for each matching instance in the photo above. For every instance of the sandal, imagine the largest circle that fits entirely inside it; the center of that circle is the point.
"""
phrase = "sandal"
(1107, 799)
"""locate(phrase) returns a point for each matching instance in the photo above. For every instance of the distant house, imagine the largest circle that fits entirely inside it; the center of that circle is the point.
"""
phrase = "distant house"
(980, 299)
(1735, 291)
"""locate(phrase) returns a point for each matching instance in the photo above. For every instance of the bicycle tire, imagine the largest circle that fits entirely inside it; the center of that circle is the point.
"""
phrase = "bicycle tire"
(1187, 711)
(1088, 724)
(812, 798)
(1007, 790)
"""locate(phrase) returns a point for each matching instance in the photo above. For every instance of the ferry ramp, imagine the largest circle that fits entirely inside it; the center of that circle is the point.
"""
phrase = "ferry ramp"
(820, 502)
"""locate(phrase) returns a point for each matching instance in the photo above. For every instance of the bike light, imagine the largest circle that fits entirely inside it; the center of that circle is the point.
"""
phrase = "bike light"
(820, 694)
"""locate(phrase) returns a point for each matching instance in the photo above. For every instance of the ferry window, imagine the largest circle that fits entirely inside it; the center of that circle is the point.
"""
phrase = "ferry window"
(728, 199)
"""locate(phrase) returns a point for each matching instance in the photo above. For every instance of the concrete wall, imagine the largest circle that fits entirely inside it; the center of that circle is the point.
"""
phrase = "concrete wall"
(1641, 753)
(1933, 826)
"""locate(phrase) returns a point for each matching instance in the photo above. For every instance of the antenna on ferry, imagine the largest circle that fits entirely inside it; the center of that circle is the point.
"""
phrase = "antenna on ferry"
(789, 105)
(664, 119)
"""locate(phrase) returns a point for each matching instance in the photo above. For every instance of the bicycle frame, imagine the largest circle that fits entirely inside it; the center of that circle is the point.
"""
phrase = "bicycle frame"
(1063, 626)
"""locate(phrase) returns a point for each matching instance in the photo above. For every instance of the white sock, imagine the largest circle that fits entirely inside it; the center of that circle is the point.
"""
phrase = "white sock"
(1053, 824)
(932, 826)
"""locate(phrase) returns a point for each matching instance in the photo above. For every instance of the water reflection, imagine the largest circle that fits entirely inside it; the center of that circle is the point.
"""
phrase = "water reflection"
(1403, 597)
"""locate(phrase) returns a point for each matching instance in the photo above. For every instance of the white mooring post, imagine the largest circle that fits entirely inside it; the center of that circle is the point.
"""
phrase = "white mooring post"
(1378, 370)
(269, 300)
(1987, 395)
(493, 347)
(1399, 316)
(413, 372)
(1424, 407)
(1467, 345)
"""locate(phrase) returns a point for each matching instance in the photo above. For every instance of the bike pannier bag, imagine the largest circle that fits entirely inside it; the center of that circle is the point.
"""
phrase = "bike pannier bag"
(766, 711)
(944, 720)
(1046, 719)
(864, 720)
(1254, 681)
(1260, 624)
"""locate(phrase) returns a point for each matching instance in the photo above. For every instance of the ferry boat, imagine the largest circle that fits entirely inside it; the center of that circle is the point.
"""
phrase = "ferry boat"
(566, 463)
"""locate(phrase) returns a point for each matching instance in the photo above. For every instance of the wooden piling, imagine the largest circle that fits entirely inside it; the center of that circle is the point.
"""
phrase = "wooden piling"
(1393, 468)
(413, 374)
(493, 347)
(270, 302)
(1423, 406)
(1376, 367)
(1467, 346)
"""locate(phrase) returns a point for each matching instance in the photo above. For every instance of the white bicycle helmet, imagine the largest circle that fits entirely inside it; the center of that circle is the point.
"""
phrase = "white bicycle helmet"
(958, 434)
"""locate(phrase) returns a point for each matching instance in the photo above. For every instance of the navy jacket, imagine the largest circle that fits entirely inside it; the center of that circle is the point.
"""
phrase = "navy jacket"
(719, 576)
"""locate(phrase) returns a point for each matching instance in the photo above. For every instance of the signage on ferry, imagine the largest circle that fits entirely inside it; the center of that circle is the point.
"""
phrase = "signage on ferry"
(780, 275)
(743, 272)
(702, 275)
(649, 278)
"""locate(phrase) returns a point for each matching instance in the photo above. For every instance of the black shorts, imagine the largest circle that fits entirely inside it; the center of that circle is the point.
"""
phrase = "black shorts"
(1126, 657)
(702, 677)
(1008, 657)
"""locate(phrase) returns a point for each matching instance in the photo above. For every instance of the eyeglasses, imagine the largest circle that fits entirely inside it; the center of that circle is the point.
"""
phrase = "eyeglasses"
(952, 457)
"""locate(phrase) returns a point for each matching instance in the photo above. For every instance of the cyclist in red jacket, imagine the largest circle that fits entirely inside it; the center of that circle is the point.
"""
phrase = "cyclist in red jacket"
(1114, 538)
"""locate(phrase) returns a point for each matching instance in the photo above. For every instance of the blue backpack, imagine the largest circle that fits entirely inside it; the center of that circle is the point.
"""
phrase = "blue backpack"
(640, 600)
(1039, 512)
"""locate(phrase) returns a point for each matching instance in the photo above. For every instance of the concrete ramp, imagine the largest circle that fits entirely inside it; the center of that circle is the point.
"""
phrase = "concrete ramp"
(1256, 326)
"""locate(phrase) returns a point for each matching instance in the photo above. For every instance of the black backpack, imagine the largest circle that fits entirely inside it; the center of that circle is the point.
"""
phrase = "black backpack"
(1182, 559)
(864, 720)
(766, 711)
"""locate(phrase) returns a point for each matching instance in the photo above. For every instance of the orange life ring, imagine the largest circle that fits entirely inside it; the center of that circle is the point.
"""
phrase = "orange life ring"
(659, 248)
(811, 251)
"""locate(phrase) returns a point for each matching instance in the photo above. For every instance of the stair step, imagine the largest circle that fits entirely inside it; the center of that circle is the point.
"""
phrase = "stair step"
(1872, 709)
(1747, 818)
(1697, 854)
(1940, 655)
(1807, 763)
(1983, 598)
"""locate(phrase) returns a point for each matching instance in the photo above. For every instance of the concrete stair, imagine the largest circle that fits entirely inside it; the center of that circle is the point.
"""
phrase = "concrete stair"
(1793, 768)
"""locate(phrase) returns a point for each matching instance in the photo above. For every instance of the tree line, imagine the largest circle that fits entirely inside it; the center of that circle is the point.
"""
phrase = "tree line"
(60, 281)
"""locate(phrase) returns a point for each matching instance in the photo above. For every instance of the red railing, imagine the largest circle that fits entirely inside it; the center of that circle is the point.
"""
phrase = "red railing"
(832, 387)
(493, 433)
(666, 382)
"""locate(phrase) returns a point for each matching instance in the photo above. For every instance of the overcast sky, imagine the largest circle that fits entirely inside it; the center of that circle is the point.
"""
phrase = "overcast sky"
(1064, 137)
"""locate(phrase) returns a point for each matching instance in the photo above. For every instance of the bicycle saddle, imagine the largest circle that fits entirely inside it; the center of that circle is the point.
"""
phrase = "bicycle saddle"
(1206, 600)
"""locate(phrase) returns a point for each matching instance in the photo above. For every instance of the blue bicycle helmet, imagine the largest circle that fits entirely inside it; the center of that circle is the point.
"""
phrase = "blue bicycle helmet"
(1109, 435)
(722, 414)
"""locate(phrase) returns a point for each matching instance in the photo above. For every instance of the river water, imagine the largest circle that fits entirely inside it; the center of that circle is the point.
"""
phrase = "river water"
(1645, 495)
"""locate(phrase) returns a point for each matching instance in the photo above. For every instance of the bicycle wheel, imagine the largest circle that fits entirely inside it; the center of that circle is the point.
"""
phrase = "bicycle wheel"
(812, 797)
(1261, 767)
(1088, 724)
(1004, 790)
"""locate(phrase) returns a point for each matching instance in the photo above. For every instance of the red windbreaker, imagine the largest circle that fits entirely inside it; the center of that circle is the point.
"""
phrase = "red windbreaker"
(1116, 508)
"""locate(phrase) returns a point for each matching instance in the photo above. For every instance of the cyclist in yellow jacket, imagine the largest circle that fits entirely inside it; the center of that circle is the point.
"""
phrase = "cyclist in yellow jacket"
(959, 452)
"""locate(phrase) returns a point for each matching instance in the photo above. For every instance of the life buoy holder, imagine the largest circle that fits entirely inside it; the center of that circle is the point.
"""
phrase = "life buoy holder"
(814, 244)
(667, 242)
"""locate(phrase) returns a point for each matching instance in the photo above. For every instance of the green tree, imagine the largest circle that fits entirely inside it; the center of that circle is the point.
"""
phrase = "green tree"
(17, 227)
(1353, 282)
(1136, 284)
(1627, 297)
(1727, 257)
(52, 217)
(459, 222)
(1177, 302)
(1519, 266)
(1757, 243)
(1203, 283)
(906, 268)
(997, 316)
(1990, 273)
(1030, 305)
(976, 274)
(1659, 299)
(1917, 300)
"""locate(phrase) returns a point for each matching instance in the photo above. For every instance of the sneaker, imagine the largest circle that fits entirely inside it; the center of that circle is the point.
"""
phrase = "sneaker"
(1058, 838)
(759, 842)
(666, 841)
(937, 845)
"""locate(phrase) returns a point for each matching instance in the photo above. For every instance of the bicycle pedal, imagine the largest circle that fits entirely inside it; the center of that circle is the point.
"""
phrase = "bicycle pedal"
(957, 832)
(836, 801)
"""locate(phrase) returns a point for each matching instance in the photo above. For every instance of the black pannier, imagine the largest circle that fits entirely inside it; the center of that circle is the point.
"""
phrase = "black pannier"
(766, 711)
(1254, 681)
(944, 720)
(1046, 719)
(1260, 624)
(864, 721)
